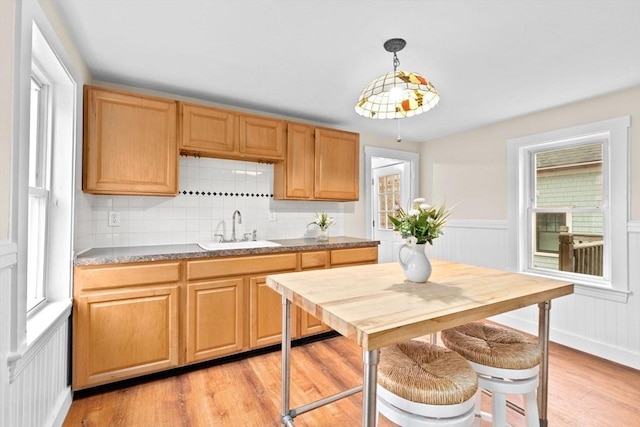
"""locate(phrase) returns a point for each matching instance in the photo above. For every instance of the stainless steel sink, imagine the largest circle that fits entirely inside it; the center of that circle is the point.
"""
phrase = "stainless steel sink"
(218, 246)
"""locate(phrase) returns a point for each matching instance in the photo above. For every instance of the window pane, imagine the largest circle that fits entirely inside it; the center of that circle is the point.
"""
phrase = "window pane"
(35, 250)
(548, 226)
(34, 135)
(570, 178)
(388, 196)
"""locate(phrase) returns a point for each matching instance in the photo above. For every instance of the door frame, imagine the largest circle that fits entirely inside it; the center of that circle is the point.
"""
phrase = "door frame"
(371, 152)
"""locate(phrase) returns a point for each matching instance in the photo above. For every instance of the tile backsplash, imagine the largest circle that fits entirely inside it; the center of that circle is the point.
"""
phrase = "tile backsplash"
(210, 190)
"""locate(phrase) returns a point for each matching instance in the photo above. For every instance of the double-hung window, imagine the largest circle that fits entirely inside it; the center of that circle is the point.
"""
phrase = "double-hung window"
(39, 187)
(568, 206)
(45, 176)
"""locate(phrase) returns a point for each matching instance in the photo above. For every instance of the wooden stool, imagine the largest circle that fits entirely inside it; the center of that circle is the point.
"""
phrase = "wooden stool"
(506, 363)
(421, 384)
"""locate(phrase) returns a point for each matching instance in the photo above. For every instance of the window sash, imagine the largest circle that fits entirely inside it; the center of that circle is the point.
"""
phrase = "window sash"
(36, 247)
(39, 189)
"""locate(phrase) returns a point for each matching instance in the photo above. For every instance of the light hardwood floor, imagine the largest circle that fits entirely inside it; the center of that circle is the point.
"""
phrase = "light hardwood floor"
(584, 391)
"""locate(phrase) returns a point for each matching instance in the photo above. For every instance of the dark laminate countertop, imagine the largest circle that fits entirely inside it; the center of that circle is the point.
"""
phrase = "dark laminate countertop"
(118, 255)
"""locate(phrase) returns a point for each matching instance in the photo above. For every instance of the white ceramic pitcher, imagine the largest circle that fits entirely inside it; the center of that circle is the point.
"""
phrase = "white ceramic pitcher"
(414, 262)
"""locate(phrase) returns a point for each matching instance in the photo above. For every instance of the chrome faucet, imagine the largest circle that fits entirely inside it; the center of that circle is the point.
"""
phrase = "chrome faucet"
(233, 227)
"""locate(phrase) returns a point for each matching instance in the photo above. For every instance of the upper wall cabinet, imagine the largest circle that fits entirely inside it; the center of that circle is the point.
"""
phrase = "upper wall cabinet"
(207, 130)
(214, 132)
(130, 144)
(337, 165)
(320, 164)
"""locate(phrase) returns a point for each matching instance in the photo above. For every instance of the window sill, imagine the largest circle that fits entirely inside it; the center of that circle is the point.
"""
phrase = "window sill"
(608, 294)
(596, 288)
(40, 327)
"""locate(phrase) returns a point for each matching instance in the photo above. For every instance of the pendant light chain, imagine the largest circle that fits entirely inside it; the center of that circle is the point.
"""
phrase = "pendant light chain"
(396, 63)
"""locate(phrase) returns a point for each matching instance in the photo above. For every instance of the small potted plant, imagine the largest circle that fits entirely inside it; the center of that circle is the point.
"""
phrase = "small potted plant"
(323, 221)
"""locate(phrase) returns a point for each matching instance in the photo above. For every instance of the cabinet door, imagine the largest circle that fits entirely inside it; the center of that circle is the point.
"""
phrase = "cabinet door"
(309, 324)
(124, 334)
(207, 131)
(265, 320)
(215, 318)
(130, 144)
(261, 138)
(337, 165)
(293, 178)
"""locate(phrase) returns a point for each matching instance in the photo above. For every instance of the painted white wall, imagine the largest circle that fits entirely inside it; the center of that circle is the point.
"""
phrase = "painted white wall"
(470, 169)
(7, 28)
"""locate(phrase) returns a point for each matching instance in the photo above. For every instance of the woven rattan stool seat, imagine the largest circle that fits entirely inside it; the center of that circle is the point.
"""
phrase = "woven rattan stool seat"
(426, 373)
(492, 345)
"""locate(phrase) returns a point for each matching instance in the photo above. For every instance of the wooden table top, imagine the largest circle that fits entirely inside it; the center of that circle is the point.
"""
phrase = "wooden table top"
(375, 306)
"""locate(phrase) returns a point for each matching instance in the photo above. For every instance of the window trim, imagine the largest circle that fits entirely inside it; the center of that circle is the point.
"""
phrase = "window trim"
(29, 332)
(616, 179)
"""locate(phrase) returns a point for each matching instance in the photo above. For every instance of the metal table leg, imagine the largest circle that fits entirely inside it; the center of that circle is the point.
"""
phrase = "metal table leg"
(286, 418)
(543, 375)
(370, 359)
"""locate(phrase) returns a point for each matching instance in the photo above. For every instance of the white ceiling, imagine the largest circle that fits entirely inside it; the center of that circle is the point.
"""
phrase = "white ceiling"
(490, 60)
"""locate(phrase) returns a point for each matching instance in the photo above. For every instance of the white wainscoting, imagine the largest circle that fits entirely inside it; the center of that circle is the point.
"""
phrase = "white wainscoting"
(606, 328)
(39, 395)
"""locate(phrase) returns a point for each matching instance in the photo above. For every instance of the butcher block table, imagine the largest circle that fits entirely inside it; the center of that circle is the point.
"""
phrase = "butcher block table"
(375, 306)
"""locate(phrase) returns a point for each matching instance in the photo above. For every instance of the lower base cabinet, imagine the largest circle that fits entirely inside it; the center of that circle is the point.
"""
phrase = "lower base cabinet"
(123, 332)
(215, 319)
(135, 319)
(265, 314)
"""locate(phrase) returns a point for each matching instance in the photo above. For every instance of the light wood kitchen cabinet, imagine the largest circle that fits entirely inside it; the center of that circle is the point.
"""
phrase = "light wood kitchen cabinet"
(294, 178)
(337, 165)
(126, 321)
(309, 324)
(220, 133)
(354, 256)
(207, 130)
(263, 312)
(215, 318)
(320, 164)
(139, 318)
(130, 144)
(261, 138)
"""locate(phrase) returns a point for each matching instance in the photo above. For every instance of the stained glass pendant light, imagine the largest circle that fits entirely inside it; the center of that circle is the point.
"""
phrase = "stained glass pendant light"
(398, 94)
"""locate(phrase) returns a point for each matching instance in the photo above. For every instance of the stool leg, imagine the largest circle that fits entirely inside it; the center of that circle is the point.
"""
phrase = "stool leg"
(499, 404)
(477, 411)
(531, 410)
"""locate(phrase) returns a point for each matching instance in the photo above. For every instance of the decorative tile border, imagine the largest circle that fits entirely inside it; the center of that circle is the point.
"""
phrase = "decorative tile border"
(220, 193)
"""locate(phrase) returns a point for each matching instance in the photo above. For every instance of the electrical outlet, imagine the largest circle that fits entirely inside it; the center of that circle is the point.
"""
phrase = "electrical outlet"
(272, 215)
(114, 219)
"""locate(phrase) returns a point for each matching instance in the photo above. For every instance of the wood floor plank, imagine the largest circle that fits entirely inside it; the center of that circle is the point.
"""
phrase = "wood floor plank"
(584, 391)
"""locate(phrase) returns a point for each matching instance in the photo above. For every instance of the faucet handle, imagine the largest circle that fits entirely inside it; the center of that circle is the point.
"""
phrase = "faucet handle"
(254, 235)
(220, 237)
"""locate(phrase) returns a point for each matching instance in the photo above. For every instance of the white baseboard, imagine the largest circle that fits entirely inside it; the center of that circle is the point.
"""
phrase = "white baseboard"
(61, 409)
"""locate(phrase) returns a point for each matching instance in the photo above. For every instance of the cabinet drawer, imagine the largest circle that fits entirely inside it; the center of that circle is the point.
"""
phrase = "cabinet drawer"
(240, 266)
(354, 256)
(317, 259)
(103, 277)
